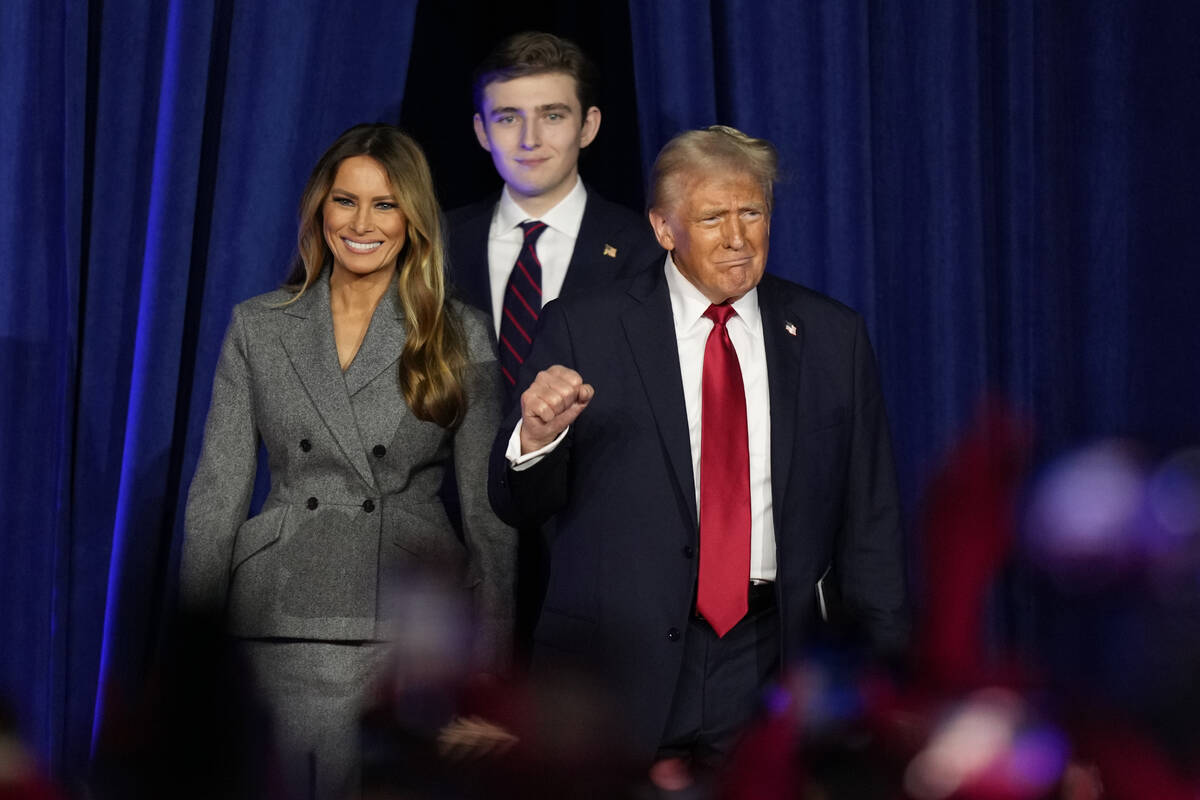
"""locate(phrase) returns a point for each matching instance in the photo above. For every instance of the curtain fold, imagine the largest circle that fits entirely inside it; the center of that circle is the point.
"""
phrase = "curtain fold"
(168, 198)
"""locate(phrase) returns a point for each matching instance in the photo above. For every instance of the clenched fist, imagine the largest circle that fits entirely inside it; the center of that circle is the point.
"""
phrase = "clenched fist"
(553, 401)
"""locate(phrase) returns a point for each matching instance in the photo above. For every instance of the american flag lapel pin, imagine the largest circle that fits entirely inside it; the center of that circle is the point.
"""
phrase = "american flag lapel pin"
(790, 328)
(610, 251)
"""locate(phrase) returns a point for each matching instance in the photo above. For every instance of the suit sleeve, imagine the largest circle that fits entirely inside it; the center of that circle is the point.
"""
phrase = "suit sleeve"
(492, 545)
(219, 496)
(870, 559)
(529, 497)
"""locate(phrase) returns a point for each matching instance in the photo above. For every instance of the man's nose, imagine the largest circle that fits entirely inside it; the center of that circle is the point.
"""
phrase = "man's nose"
(531, 134)
(735, 234)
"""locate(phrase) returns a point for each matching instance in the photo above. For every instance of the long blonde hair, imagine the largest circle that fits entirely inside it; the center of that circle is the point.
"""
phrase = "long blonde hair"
(434, 357)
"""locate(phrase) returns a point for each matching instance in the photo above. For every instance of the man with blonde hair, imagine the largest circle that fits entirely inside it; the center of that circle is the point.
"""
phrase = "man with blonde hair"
(713, 440)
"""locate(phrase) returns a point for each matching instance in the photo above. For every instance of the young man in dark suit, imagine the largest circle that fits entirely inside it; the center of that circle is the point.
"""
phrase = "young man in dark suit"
(544, 233)
(713, 441)
(534, 112)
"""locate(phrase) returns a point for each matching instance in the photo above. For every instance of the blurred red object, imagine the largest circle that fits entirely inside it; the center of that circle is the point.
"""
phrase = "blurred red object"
(969, 523)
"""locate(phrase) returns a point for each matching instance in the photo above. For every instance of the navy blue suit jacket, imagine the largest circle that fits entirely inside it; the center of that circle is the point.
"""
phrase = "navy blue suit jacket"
(606, 228)
(623, 558)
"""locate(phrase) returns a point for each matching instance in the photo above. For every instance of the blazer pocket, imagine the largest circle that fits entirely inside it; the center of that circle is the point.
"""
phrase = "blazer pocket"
(565, 632)
(258, 533)
(425, 531)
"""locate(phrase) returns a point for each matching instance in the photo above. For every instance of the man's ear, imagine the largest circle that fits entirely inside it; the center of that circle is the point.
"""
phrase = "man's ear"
(662, 231)
(591, 126)
(481, 134)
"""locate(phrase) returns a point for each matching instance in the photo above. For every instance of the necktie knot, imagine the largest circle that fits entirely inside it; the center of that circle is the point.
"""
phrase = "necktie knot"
(533, 229)
(719, 314)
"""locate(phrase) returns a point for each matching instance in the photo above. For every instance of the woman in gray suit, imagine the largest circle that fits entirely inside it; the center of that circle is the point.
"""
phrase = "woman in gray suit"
(364, 382)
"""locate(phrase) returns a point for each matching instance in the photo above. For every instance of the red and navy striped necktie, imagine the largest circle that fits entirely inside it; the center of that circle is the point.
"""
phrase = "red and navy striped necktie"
(521, 306)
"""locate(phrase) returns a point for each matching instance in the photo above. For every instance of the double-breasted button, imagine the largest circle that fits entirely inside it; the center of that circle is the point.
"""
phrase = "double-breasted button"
(688, 551)
(379, 450)
(673, 634)
(368, 505)
(312, 504)
(305, 445)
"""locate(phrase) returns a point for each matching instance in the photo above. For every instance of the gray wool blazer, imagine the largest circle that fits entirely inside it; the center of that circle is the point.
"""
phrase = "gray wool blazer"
(354, 480)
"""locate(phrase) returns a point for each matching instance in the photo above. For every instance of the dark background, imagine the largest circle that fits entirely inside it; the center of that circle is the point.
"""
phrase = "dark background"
(1007, 191)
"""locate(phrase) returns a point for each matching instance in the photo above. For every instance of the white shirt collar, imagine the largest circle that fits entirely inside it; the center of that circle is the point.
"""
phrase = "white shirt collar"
(688, 303)
(565, 217)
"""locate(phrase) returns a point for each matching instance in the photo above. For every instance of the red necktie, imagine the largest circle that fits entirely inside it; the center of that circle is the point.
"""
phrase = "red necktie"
(724, 481)
(521, 305)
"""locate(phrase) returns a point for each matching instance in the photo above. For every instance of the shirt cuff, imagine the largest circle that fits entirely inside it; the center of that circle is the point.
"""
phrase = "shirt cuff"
(520, 462)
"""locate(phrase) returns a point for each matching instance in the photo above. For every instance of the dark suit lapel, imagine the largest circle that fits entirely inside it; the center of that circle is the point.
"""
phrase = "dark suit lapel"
(313, 353)
(594, 259)
(650, 331)
(783, 340)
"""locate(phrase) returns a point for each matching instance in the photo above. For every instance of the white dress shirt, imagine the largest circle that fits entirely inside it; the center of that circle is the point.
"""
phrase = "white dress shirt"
(688, 305)
(554, 246)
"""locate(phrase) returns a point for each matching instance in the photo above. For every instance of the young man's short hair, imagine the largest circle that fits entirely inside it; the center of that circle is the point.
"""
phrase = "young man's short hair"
(536, 53)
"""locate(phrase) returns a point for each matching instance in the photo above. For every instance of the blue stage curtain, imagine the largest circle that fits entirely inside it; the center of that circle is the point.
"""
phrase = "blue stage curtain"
(154, 155)
(1000, 188)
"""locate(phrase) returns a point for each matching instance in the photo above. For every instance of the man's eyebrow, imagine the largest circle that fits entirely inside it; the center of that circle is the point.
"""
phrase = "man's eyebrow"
(559, 107)
(717, 210)
(503, 111)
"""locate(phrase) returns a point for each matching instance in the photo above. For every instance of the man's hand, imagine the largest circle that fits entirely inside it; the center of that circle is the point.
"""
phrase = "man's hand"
(553, 401)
